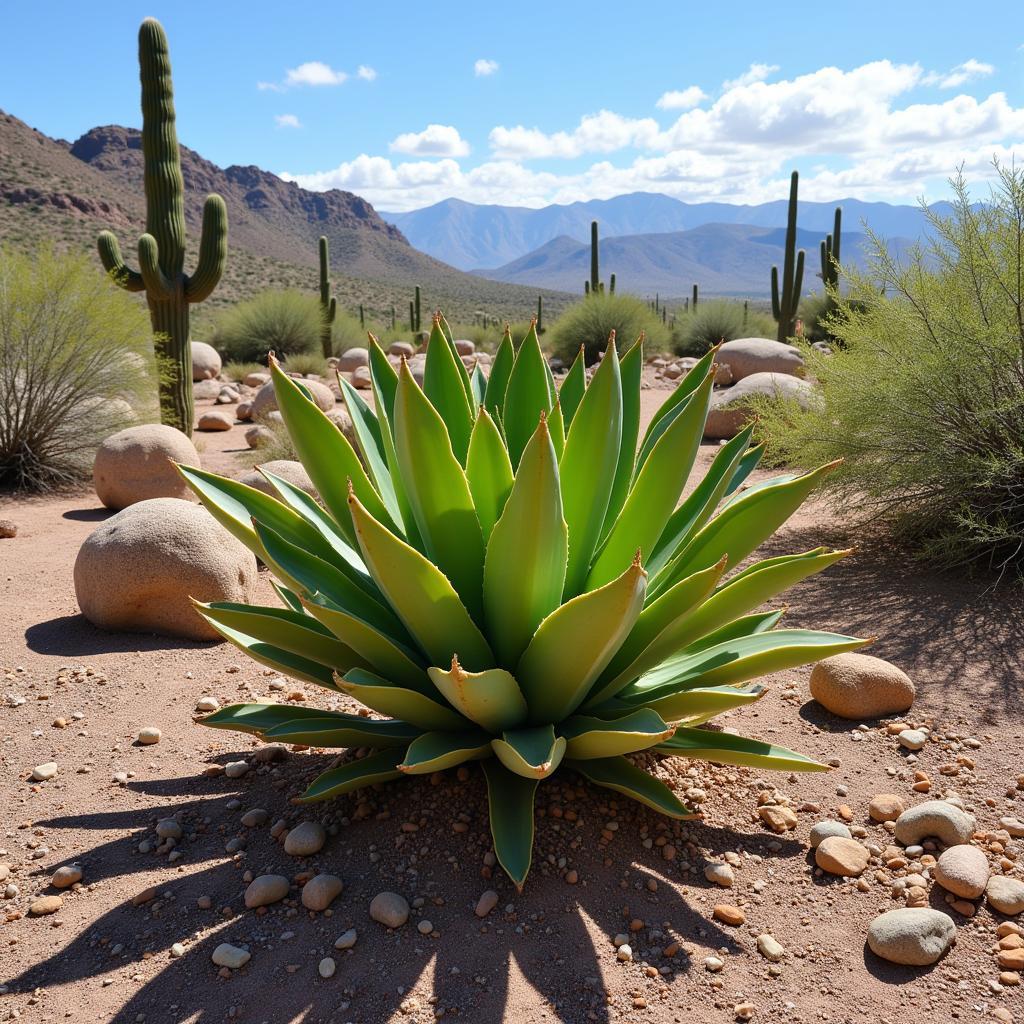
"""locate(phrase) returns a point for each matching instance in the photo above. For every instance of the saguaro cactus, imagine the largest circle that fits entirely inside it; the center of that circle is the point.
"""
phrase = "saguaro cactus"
(785, 302)
(169, 290)
(611, 284)
(595, 275)
(418, 325)
(328, 305)
(540, 314)
(694, 296)
(830, 252)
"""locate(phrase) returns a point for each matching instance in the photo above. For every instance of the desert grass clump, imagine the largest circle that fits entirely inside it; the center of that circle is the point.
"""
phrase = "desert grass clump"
(925, 398)
(717, 320)
(239, 371)
(306, 363)
(76, 364)
(590, 322)
(286, 322)
(504, 572)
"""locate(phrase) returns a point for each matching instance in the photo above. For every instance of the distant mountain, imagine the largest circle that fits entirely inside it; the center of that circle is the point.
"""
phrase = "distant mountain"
(723, 259)
(471, 237)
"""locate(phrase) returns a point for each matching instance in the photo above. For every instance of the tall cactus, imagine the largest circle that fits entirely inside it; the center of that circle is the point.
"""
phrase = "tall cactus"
(830, 252)
(169, 290)
(328, 305)
(418, 325)
(786, 300)
(540, 314)
(611, 284)
(595, 275)
(694, 296)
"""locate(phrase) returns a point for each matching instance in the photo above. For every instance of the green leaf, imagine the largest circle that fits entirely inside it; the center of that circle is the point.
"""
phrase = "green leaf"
(588, 465)
(631, 368)
(488, 472)
(258, 719)
(435, 751)
(525, 567)
(467, 384)
(654, 495)
(748, 463)
(438, 493)
(527, 396)
(334, 729)
(724, 748)
(573, 388)
(497, 380)
(491, 698)
(556, 428)
(385, 382)
(409, 705)
(478, 382)
(510, 801)
(589, 738)
(367, 771)
(683, 390)
(531, 753)
(288, 597)
(704, 703)
(575, 642)
(624, 777)
(444, 389)
(421, 596)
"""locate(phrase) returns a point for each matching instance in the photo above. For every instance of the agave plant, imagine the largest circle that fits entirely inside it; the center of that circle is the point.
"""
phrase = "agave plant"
(506, 575)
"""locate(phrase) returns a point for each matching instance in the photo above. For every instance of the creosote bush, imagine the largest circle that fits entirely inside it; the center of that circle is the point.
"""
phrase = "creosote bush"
(285, 322)
(590, 322)
(715, 320)
(925, 398)
(504, 571)
(76, 365)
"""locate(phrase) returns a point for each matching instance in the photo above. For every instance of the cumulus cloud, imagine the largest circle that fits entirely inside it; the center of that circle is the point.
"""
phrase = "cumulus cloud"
(681, 99)
(434, 140)
(315, 73)
(755, 73)
(603, 132)
(367, 74)
(482, 68)
(287, 121)
(962, 73)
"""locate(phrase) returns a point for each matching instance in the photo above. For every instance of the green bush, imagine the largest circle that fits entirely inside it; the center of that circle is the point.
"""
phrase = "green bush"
(347, 332)
(239, 371)
(76, 364)
(306, 363)
(925, 400)
(716, 320)
(590, 321)
(284, 322)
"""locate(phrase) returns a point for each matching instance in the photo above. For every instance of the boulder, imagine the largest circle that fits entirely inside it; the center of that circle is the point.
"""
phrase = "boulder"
(205, 361)
(256, 379)
(915, 936)
(340, 418)
(401, 348)
(215, 421)
(265, 401)
(137, 571)
(259, 437)
(293, 472)
(464, 346)
(137, 463)
(417, 366)
(352, 358)
(206, 389)
(860, 686)
(360, 378)
(731, 408)
(935, 818)
(747, 356)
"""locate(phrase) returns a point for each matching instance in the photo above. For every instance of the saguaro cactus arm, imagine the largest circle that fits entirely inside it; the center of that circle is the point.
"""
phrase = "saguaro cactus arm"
(158, 287)
(114, 264)
(213, 251)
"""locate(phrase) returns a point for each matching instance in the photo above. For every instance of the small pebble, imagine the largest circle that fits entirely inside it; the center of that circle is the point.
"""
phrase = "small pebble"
(46, 905)
(149, 735)
(236, 769)
(266, 889)
(66, 876)
(347, 940)
(487, 902)
(327, 967)
(233, 957)
(320, 891)
(425, 927)
(44, 772)
(307, 838)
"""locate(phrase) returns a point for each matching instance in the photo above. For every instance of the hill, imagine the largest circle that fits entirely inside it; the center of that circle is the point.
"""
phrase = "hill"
(50, 188)
(471, 237)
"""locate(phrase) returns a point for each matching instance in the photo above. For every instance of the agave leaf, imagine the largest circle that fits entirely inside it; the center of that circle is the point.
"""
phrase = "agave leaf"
(408, 705)
(704, 703)
(258, 719)
(420, 595)
(588, 738)
(527, 396)
(724, 748)
(326, 454)
(575, 642)
(288, 597)
(684, 389)
(525, 568)
(435, 751)
(658, 485)
(384, 378)
(531, 753)
(497, 380)
(653, 636)
(295, 632)
(478, 382)
(510, 802)
(460, 366)
(488, 472)
(744, 524)
(556, 428)
(438, 491)
(623, 776)
(491, 699)
(573, 388)
(367, 771)
(335, 729)
(588, 465)
(747, 465)
(444, 389)
(630, 371)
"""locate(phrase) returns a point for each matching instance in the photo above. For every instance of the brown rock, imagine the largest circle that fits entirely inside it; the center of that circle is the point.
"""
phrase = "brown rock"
(213, 421)
(886, 807)
(8, 528)
(728, 914)
(46, 905)
(860, 686)
(778, 818)
(840, 856)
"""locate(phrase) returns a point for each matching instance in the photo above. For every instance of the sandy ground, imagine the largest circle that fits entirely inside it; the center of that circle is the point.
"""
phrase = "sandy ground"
(544, 955)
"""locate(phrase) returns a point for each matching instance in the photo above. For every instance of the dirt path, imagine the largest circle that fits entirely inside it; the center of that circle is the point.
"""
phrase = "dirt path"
(544, 955)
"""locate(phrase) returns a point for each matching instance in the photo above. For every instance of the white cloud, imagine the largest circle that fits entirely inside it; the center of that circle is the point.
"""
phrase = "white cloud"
(681, 99)
(287, 121)
(316, 73)
(970, 69)
(434, 140)
(603, 132)
(755, 73)
(482, 68)
(367, 74)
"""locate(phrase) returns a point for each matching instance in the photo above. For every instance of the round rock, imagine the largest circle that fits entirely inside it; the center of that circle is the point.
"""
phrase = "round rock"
(962, 870)
(731, 408)
(168, 828)
(266, 889)
(46, 905)
(265, 401)
(860, 686)
(886, 807)
(823, 829)
(214, 421)
(935, 818)
(840, 856)
(66, 876)
(205, 361)
(307, 838)
(320, 891)
(914, 936)
(138, 463)
(912, 739)
(287, 469)
(352, 358)
(1005, 894)
(389, 909)
(44, 772)
(747, 356)
(138, 571)
(148, 736)
(233, 957)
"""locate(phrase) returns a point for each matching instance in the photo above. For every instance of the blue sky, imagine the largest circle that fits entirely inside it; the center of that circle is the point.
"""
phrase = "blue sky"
(528, 103)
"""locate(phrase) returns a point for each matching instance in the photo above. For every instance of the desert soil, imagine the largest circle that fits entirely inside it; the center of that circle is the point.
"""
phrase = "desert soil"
(602, 865)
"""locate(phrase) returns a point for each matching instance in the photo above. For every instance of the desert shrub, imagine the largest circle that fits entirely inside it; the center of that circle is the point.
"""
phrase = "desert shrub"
(925, 402)
(306, 362)
(239, 371)
(284, 322)
(76, 364)
(347, 332)
(590, 321)
(716, 320)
